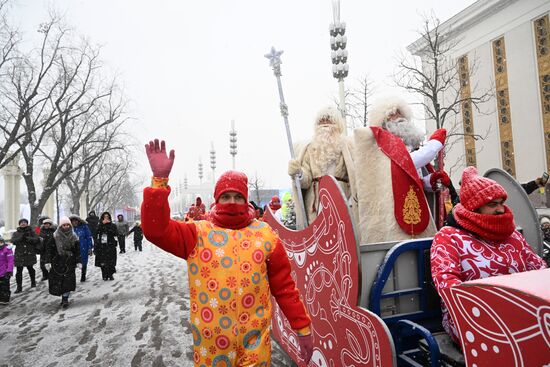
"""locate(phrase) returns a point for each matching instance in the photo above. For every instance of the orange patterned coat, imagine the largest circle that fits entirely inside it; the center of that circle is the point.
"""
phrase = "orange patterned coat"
(232, 275)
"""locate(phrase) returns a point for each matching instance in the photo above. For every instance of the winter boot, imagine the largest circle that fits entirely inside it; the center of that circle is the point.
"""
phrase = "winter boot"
(32, 275)
(19, 280)
(64, 301)
(44, 272)
(83, 273)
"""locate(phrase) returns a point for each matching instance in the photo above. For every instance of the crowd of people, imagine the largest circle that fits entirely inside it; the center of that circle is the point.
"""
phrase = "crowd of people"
(236, 261)
(63, 249)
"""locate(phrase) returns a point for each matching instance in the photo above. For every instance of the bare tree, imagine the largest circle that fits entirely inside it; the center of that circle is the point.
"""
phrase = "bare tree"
(255, 185)
(72, 110)
(436, 78)
(112, 186)
(16, 98)
(80, 182)
(358, 102)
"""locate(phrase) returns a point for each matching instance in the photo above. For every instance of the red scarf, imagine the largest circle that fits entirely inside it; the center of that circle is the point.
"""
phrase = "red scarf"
(490, 227)
(232, 216)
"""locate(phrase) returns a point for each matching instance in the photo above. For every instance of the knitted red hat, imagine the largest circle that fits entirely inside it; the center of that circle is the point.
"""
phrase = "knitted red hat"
(231, 181)
(477, 191)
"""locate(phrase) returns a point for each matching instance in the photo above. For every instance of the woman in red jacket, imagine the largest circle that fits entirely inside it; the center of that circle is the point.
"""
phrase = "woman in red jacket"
(235, 264)
(479, 241)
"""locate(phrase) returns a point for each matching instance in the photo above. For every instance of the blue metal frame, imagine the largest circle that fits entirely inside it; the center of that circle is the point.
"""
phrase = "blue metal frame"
(384, 272)
(404, 331)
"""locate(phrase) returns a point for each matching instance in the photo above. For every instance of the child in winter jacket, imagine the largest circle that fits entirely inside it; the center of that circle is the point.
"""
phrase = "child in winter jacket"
(6, 271)
(138, 235)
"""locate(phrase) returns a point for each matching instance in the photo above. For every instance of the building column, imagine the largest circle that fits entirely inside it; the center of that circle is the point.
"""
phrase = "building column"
(12, 194)
(83, 209)
(49, 207)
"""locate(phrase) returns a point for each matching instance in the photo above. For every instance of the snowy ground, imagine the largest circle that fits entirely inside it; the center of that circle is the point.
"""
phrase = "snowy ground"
(139, 319)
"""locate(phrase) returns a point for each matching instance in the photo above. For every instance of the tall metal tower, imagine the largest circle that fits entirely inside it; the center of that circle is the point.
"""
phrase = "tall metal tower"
(213, 161)
(339, 54)
(233, 142)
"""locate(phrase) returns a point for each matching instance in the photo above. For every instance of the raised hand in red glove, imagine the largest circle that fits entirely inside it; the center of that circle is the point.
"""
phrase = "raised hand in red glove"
(440, 135)
(439, 176)
(306, 347)
(160, 163)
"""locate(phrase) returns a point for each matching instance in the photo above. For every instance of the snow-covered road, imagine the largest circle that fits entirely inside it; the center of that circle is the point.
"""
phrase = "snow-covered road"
(139, 319)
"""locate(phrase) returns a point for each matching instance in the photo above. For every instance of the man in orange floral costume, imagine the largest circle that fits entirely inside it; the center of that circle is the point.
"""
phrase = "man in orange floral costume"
(235, 263)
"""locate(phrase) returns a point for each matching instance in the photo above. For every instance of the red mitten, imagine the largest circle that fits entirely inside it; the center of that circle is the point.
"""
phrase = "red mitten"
(160, 163)
(440, 135)
(306, 347)
(440, 176)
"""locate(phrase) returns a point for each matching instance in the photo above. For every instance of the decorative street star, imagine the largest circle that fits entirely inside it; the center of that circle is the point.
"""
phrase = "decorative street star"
(274, 57)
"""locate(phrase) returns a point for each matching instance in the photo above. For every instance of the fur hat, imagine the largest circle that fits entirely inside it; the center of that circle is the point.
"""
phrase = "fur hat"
(544, 220)
(65, 220)
(47, 220)
(477, 191)
(386, 106)
(333, 115)
(232, 181)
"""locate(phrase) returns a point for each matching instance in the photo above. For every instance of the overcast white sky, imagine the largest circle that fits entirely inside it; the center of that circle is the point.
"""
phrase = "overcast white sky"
(190, 67)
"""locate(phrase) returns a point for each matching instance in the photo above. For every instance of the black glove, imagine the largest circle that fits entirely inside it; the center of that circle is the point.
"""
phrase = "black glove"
(8, 274)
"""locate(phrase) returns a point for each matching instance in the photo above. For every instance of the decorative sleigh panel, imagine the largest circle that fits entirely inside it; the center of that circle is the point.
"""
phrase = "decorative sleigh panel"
(504, 320)
(325, 266)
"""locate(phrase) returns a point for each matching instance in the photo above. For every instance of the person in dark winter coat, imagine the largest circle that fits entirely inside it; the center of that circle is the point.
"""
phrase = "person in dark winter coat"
(25, 241)
(123, 228)
(84, 234)
(93, 221)
(105, 246)
(63, 257)
(6, 271)
(41, 220)
(138, 235)
(46, 234)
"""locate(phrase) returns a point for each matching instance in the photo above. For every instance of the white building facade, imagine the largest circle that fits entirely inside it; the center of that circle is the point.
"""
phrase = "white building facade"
(508, 44)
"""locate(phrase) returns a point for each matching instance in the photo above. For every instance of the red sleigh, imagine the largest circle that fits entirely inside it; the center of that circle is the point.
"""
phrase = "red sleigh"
(503, 321)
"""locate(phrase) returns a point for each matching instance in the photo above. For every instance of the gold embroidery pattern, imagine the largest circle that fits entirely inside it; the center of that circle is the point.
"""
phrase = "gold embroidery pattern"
(503, 104)
(411, 208)
(467, 115)
(542, 41)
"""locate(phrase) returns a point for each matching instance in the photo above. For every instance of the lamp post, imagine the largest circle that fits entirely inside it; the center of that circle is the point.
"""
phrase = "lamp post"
(339, 55)
(213, 161)
(233, 142)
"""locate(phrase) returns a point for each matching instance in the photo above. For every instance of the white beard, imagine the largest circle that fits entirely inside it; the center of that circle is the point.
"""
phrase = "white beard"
(411, 135)
(326, 148)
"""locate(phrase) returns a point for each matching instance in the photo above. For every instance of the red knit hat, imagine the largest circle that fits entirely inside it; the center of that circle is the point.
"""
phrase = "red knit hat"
(477, 191)
(231, 181)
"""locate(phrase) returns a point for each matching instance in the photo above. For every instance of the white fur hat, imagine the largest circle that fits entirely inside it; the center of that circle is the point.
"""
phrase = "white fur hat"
(333, 115)
(386, 106)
